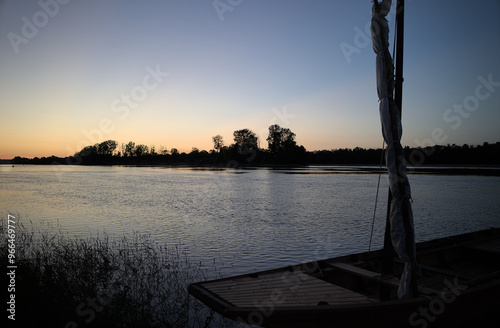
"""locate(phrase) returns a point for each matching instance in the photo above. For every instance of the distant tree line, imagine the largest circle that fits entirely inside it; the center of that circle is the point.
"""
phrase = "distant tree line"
(282, 150)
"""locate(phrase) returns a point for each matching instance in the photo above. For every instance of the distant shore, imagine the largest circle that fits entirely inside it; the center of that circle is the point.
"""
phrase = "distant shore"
(449, 159)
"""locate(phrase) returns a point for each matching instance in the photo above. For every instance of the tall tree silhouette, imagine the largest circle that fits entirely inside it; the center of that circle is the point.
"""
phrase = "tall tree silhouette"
(245, 147)
(106, 147)
(280, 140)
(218, 142)
(141, 150)
(246, 140)
(130, 149)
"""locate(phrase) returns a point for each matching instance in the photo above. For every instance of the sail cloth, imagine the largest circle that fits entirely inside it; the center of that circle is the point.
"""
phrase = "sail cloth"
(401, 216)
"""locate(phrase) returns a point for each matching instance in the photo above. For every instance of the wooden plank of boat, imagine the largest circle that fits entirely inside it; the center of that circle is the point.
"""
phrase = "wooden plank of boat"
(389, 280)
(285, 288)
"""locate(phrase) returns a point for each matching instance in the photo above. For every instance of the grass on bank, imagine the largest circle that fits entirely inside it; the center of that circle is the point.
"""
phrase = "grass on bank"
(64, 281)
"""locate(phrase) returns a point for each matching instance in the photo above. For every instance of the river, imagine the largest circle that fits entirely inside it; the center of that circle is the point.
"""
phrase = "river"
(248, 219)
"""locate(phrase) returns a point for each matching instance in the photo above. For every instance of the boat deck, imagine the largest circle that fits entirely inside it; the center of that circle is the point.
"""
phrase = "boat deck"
(282, 288)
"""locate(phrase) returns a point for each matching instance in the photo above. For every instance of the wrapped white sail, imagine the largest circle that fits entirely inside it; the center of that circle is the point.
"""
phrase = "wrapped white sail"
(401, 216)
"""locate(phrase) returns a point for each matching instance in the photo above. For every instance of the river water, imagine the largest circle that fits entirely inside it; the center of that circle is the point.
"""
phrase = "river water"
(246, 219)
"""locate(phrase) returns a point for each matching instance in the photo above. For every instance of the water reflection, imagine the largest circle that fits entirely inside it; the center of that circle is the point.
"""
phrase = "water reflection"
(248, 219)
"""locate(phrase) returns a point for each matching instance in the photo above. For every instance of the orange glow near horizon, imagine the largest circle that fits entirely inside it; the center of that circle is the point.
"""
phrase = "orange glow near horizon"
(46, 147)
(176, 75)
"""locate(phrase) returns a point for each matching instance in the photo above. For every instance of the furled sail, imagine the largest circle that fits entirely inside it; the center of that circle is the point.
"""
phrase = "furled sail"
(400, 216)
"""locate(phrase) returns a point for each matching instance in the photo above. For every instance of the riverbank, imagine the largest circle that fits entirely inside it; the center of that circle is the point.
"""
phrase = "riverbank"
(64, 281)
(450, 155)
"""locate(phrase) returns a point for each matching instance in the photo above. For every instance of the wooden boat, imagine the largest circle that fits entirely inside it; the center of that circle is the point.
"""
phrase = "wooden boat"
(459, 285)
(460, 279)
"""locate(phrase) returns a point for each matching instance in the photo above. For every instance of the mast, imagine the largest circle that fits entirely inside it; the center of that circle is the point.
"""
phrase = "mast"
(398, 100)
(399, 235)
(398, 60)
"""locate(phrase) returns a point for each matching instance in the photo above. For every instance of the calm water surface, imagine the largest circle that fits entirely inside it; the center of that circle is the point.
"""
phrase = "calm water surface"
(248, 219)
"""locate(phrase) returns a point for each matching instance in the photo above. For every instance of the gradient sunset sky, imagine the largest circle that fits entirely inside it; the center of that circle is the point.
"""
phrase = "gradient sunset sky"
(174, 73)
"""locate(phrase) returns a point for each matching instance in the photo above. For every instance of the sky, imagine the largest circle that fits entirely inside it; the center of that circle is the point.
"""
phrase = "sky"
(175, 73)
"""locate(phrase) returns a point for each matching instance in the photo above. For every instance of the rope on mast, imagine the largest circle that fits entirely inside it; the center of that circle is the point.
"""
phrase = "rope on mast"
(376, 196)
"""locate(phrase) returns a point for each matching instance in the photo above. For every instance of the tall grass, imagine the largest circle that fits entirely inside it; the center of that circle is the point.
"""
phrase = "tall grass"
(64, 281)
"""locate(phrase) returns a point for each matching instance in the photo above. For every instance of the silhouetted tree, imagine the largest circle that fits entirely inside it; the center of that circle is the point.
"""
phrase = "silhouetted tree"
(130, 149)
(280, 139)
(218, 142)
(245, 147)
(282, 146)
(141, 150)
(163, 150)
(88, 154)
(246, 140)
(106, 148)
(88, 151)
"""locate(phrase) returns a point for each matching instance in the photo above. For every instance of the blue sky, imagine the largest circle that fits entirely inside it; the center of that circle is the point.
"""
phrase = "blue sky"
(174, 73)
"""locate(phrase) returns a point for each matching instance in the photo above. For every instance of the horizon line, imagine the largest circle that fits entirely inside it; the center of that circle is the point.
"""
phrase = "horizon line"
(317, 150)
